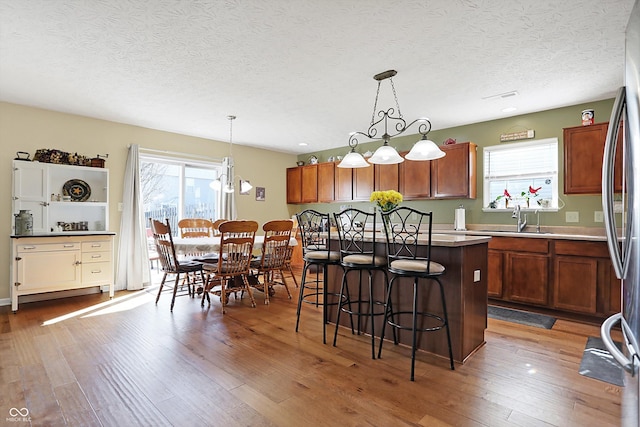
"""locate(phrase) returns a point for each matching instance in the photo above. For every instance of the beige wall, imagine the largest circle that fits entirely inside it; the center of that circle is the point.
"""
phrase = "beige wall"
(28, 129)
(546, 124)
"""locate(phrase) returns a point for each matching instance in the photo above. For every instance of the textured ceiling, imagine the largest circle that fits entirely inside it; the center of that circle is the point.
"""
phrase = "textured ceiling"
(301, 70)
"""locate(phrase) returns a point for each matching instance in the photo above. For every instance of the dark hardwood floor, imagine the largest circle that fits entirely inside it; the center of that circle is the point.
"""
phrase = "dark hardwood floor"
(88, 361)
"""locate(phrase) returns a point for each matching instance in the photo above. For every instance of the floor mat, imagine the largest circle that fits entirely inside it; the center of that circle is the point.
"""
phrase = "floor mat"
(522, 317)
(597, 363)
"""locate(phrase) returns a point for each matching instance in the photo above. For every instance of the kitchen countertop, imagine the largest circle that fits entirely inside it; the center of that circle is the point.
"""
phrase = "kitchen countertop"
(563, 233)
(65, 234)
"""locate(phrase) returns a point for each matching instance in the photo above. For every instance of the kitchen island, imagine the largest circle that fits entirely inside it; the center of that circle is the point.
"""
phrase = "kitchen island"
(465, 281)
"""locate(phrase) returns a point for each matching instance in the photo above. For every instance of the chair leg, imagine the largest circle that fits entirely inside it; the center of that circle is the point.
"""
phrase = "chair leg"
(414, 321)
(161, 285)
(301, 294)
(446, 321)
(386, 316)
(284, 282)
(175, 290)
(248, 288)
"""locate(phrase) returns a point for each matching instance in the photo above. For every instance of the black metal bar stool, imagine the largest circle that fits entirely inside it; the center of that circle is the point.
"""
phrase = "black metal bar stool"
(315, 233)
(402, 233)
(358, 254)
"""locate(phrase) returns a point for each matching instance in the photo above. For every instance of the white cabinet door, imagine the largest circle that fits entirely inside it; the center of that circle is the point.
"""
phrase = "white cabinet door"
(30, 192)
(45, 271)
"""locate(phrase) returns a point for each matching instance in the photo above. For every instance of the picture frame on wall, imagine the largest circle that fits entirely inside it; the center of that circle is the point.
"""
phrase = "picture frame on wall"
(260, 194)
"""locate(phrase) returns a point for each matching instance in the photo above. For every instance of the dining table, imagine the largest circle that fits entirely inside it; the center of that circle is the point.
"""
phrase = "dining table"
(188, 245)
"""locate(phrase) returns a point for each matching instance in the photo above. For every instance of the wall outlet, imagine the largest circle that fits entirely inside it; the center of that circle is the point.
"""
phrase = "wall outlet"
(476, 275)
(572, 217)
(617, 206)
(598, 216)
(120, 206)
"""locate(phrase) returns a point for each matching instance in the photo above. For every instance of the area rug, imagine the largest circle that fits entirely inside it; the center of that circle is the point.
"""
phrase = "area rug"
(597, 363)
(522, 317)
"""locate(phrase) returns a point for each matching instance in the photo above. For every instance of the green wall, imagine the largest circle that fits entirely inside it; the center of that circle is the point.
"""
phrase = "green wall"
(546, 124)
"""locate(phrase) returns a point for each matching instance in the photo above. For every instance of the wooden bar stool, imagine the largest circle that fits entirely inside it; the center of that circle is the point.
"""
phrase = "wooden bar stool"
(402, 233)
(358, 254)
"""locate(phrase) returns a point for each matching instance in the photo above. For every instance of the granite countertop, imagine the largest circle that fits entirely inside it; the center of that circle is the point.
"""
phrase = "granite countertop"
(592, 234)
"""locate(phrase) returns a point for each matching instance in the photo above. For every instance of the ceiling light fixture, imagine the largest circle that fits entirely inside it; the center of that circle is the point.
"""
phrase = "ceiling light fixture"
(424, 149)
(228, 175)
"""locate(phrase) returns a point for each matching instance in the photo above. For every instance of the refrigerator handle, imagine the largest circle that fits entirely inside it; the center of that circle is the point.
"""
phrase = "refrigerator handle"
(607, 182)
(605, 333)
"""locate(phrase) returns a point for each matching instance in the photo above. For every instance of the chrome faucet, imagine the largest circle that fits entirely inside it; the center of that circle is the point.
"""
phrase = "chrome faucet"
(517, 214)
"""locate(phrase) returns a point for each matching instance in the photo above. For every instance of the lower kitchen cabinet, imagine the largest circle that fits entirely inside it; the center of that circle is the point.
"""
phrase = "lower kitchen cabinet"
(563, 275)
(50, 263)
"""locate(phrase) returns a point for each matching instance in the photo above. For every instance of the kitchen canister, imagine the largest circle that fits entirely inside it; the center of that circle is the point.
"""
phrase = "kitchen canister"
(23, 223)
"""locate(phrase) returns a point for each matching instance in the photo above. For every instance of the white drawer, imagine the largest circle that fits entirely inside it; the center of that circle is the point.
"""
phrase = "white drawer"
(48, 247)
(89, 257)
(99, 272)
(96, 246)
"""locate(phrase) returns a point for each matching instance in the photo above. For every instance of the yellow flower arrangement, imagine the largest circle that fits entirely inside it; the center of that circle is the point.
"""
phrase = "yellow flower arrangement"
(386, 200)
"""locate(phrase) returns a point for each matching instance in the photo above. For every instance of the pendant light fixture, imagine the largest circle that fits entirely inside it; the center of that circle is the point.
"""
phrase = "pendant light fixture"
(424, 149)
(225, 181)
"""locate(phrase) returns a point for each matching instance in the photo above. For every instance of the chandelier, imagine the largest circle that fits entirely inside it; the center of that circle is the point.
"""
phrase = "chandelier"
(390, 124)
(225, 181)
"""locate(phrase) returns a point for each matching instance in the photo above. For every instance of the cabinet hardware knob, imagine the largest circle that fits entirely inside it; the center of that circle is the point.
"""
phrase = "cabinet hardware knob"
(77, 263)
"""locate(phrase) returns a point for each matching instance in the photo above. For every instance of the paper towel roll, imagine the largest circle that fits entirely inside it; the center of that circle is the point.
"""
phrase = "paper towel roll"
(459, 219)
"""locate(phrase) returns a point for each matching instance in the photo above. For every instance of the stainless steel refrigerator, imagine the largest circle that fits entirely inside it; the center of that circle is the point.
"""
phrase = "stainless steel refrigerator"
(623, 230)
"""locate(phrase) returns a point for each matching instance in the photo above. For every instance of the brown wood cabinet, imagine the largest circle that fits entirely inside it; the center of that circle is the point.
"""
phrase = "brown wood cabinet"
(386, 177)
(583, 151)
(415, 179)
(584, 280)
(302, 184)
(362, 183)
(563, 275)
(524, 276)
(454, 175)
(343, 184)
(326, 181)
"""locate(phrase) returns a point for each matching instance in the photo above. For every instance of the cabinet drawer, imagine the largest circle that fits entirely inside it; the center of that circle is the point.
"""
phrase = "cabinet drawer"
(520, 244)
(48, 247)
(99, 272)
(90, 257)
(104, 245)
(587, 249)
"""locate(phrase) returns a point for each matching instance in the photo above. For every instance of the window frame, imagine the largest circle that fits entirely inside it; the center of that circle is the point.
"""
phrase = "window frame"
(517, 199)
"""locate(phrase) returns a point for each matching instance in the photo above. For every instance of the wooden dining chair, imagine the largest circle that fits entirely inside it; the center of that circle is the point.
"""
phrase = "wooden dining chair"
(170, 262)
(230, 274)
(215, 227)
(195, 227)
(273, 258)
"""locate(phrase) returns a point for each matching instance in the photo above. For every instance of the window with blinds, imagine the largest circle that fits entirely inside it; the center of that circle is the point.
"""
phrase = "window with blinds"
(524, 173)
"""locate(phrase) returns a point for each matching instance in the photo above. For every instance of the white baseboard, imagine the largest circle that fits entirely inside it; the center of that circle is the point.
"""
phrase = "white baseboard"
(5, 301)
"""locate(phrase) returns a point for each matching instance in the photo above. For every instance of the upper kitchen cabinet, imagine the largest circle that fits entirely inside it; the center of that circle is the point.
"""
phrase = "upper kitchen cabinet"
(326, 182)
(583, 150)
(415, 179)
(386, 177)
(454, 175)
(302, 184)
(36, 187)
(343, 184)
(363, 183)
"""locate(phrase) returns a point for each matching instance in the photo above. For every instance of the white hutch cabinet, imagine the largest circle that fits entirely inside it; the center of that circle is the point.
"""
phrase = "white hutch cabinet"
(53, 259)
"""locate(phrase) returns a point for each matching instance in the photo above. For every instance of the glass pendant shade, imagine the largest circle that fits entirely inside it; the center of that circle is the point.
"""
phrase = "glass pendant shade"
(216, 185)
(245, 186)
(386, 155)
(353, 160)
(424, 149)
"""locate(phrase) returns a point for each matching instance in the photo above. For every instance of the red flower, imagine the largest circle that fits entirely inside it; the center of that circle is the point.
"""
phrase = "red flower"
(534, 191)
(506, 194)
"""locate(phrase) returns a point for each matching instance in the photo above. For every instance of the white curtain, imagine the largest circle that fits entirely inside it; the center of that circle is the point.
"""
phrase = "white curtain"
(133, 258)
(228, 200)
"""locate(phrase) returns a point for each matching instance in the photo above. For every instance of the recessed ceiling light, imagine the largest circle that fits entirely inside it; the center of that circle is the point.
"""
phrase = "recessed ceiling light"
(302, 144)
(509, 109)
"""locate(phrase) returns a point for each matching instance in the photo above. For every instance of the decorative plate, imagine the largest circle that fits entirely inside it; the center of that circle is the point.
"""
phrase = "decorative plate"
(77, 189)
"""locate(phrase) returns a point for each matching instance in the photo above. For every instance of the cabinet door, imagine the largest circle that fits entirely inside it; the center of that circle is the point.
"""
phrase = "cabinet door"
(527, 277)
(294, 185)
(454, 175)
(326, 182)
(583, 151)
(575, 284)
(343, 184)
(415, 179)
(609, 288)
(362, 183)
(30, 192)
(494, 273)
(310, 184)
(386, 177)
(48, 271)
